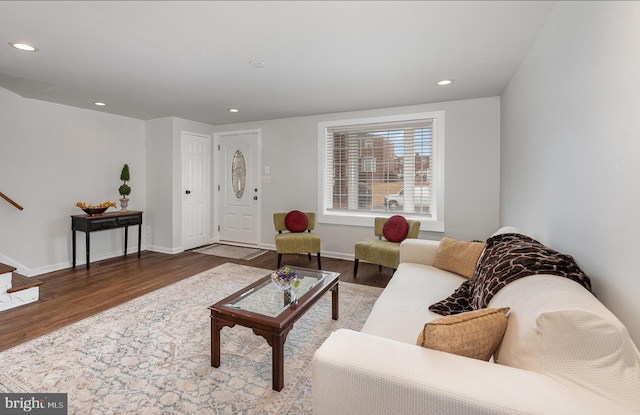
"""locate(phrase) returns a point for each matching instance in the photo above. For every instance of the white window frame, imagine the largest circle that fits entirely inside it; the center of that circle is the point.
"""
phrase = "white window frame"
(363, 218)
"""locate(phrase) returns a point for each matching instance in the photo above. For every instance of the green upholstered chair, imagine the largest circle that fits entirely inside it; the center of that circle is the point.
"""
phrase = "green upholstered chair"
(380, 251)
(296, 242)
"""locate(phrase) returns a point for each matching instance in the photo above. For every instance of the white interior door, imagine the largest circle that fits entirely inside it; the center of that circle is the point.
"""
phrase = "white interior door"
(239, 187)
(196, 193)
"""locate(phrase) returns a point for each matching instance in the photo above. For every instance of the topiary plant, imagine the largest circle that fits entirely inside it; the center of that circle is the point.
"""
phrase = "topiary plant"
(125, 189)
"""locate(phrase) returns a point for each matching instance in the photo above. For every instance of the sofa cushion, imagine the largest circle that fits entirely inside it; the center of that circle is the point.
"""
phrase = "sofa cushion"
(403, 301)
(561, 330)
(458, 256)
(296, 221)
(475, 334)
(395, 228)
(506, 258)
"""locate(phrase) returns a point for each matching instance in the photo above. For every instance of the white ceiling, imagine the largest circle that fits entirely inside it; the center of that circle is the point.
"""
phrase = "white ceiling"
(151, 59)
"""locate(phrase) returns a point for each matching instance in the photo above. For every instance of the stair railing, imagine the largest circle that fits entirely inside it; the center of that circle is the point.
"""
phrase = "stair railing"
(8, 199)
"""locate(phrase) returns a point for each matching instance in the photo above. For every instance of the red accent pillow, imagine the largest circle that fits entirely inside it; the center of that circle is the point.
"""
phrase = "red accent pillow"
(395, 228)
(296, 221)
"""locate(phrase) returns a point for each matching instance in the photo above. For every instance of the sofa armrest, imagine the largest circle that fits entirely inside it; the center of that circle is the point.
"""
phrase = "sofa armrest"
(355, 373)
(419, 251)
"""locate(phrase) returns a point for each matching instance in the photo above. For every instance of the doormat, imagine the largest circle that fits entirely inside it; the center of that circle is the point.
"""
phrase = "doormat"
(231, 251)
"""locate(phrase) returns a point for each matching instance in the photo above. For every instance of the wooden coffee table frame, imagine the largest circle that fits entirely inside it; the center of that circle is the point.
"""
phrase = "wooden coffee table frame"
(273, 329)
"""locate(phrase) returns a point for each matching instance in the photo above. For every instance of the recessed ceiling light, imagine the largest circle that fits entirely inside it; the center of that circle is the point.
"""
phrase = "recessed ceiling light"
(256, 63)
(23, 46)
(234, 110)
(100, 104)
(445, 82)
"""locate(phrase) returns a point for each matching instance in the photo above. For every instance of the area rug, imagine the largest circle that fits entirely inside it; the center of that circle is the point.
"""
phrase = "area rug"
(231, 251)
(152, 355)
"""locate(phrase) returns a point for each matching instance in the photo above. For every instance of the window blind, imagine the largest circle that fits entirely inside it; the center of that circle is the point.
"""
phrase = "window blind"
(366, 162)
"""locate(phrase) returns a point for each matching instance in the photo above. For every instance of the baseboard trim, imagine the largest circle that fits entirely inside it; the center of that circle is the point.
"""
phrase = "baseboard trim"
(325, 254)
(165, 250)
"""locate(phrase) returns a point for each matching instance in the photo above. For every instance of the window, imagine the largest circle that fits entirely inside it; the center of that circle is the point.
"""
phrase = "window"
(380, 167)
(368, 164)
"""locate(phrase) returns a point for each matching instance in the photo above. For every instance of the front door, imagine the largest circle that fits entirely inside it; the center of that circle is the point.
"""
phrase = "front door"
(239, 187)
(196, 184)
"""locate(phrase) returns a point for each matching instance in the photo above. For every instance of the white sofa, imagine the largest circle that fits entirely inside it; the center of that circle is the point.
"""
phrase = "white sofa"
(563, 353)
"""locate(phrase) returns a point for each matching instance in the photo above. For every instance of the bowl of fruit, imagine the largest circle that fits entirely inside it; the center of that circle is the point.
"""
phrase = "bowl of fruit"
(95, 210)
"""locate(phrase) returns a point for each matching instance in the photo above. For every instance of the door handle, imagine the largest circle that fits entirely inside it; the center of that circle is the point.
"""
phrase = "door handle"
(255, 198)
(188, 192)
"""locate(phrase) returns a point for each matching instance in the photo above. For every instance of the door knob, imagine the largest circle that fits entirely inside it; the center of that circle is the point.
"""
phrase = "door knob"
(255, 198)
(188, 192)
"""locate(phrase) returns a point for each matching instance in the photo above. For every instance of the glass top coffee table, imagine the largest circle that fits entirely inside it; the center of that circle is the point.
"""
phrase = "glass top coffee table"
(270, 312)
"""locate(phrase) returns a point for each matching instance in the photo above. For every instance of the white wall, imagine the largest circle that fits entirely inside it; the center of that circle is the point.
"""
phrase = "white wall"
(159, 155)
(67, 154)
(570, 146)
(58, 155)
(289, 148)
(52, 156)
(164, 172)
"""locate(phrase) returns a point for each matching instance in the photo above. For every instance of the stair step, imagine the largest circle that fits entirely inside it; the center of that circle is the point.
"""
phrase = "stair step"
(20, 282)
(4, 268)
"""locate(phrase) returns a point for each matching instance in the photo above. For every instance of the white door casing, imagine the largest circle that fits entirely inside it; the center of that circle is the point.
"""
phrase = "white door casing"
(196, 190)
(239, 190)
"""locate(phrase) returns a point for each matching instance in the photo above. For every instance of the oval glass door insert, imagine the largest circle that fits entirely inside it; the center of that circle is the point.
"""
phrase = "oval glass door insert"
(238, 174)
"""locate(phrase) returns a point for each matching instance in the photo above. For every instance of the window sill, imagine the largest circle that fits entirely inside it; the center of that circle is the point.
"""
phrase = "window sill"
(366, 219)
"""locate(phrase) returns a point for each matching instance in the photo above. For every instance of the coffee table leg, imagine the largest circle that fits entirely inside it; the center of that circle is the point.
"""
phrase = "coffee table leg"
(277, 363)
(215, 342)
(276, 341)
(334, 302)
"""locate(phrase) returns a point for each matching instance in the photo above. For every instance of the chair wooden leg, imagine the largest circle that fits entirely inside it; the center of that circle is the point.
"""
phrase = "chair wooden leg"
(279, 259)
(355, 267)
(319, 261)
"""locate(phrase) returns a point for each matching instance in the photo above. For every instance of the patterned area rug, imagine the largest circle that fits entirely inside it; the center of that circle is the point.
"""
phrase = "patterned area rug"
(152, 354)
(231, 251)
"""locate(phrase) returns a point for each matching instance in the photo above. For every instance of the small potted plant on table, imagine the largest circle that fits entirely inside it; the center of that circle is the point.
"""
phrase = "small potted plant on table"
(124, 189)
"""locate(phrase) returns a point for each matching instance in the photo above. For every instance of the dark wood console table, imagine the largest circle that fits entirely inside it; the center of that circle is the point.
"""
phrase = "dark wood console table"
(88, 224)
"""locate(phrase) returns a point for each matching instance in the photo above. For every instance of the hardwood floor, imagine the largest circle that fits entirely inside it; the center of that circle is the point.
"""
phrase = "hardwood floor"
(72, 294)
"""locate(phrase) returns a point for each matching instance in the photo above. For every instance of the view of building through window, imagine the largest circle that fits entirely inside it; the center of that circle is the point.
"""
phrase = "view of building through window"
(381, 167)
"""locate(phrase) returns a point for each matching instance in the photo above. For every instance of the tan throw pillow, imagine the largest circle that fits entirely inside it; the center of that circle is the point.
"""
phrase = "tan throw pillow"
(476, 334)
(457, 256)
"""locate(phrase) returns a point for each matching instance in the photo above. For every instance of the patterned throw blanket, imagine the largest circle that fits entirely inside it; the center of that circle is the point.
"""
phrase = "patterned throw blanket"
(506, 258)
